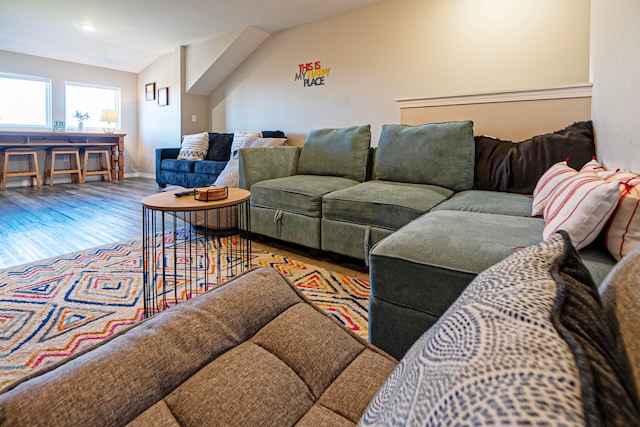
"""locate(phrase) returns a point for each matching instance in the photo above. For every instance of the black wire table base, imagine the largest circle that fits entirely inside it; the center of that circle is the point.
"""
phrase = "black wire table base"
(187, 253)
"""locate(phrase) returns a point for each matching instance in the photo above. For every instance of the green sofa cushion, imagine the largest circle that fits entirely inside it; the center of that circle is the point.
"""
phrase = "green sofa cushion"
(494, 202)
(298, 193)
(336, 152)
(440, 154)
(382, 203)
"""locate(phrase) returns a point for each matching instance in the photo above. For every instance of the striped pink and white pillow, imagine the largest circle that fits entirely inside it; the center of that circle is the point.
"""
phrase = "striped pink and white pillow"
(622, 232)
(548, 182)
(592, 166)
(581, 206)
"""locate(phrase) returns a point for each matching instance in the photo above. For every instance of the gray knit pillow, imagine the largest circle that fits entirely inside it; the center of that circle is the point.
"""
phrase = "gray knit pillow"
(620, 292)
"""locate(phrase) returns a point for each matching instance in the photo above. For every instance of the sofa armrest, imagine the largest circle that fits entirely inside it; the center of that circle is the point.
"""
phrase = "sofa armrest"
(161, 154)
(262, 163)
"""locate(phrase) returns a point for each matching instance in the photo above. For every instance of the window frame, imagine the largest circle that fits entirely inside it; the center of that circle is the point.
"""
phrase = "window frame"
(118, 102)
(48, 100)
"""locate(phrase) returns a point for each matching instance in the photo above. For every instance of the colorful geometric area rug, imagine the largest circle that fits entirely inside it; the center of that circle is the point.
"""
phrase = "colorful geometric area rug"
(52, 309)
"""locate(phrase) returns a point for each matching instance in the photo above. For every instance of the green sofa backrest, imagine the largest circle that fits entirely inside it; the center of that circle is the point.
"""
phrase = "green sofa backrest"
(336, 152)
(440, 154)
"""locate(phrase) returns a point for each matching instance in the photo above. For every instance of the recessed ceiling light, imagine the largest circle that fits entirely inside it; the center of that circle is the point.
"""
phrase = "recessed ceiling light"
(88, 27)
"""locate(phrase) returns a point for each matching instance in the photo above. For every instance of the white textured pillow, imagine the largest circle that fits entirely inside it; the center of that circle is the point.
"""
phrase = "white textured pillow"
(548, 182)
(239, 137)
(581, 206)
(229, 175)
(194, 147)
(622, 232)
(264, 142)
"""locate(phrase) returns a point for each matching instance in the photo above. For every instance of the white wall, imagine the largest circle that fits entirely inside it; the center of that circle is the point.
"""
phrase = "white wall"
(159, 125)
(163, 126)
(61, 71)
(615, 72)
(403, 48)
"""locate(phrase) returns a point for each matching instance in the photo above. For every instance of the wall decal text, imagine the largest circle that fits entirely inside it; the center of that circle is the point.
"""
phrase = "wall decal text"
(312, 74)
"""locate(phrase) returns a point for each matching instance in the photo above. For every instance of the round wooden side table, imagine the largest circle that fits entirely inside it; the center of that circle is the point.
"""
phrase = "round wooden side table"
(181, 239)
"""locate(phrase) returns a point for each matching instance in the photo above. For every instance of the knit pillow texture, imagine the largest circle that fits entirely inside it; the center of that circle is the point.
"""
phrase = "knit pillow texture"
(526, 343)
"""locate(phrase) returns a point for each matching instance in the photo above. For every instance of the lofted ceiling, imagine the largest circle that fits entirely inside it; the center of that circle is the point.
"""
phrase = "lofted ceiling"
(131, 34)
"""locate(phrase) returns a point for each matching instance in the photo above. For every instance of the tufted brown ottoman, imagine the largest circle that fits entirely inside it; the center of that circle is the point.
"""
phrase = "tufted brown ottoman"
(254, 352)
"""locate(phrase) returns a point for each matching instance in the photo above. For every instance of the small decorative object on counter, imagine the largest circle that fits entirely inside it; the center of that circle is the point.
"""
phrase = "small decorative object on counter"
(58, 126)
(80, 116)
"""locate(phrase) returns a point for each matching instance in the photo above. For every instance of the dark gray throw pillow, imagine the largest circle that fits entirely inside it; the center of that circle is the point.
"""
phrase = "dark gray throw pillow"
(516, 167)
(219, 146)
(273, 134)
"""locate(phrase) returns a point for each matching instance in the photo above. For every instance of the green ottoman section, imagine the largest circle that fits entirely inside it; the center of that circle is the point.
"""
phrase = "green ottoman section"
(419, 271)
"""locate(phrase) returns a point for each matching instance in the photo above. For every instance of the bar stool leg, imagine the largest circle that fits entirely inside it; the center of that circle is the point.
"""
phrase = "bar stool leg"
(5, 169)
(33, 166)
(78, 168)
(48, 169)
(107, 165)
(85, 165)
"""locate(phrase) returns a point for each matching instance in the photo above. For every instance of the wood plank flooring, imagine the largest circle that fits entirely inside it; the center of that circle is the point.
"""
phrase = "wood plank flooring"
(42, 223)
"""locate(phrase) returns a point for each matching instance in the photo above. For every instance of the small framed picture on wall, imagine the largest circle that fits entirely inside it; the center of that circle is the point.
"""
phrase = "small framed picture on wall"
(150, 91)
(163, 96)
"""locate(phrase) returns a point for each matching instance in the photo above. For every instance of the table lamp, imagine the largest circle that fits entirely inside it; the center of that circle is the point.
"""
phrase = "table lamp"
(109, 116)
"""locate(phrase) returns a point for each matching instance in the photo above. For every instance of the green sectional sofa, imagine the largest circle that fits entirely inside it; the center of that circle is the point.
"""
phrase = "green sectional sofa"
(437, 207)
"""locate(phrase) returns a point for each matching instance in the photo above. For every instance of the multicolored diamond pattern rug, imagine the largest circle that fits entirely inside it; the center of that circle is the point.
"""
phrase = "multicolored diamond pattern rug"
(54, 308)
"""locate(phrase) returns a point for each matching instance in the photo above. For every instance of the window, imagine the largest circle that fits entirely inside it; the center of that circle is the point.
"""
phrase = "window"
(90, 99)
(25, 100)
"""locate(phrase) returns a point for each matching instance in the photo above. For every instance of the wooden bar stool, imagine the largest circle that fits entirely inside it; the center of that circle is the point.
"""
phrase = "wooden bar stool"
(32, 173)
(73, 156)
(104, 162)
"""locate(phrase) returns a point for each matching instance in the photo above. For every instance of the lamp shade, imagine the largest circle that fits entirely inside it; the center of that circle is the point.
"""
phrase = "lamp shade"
(110, 116)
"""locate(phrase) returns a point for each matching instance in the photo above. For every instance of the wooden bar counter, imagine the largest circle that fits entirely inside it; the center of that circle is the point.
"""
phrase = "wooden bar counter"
(43, 140)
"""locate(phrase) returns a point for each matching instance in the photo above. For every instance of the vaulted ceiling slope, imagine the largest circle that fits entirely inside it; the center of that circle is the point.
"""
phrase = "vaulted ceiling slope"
(131, 34)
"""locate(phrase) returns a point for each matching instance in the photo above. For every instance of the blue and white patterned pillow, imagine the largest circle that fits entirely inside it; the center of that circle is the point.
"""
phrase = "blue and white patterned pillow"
(525, 344)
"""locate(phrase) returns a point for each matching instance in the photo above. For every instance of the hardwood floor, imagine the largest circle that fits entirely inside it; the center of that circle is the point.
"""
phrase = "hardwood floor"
(42, 223)
(50, 221)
